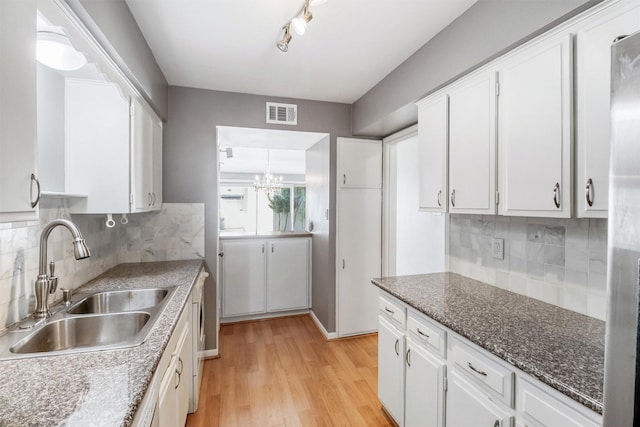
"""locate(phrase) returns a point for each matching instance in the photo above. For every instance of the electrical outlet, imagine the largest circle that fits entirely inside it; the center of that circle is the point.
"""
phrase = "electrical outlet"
(498, 248)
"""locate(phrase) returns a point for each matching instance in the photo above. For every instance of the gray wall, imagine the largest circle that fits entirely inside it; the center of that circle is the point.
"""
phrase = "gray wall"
(190, 156)
(113, 25)
(323, 292)
(486, 30)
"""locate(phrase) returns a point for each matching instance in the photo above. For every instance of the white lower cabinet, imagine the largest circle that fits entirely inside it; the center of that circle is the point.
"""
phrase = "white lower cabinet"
(424, 387)
(391, 369)
(430, 376)
(265, 276)
(469, 406)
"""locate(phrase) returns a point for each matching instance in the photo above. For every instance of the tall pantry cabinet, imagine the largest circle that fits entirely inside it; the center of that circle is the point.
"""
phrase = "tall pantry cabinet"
(359, 234)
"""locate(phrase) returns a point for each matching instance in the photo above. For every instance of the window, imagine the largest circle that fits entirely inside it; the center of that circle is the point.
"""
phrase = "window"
(245, 210)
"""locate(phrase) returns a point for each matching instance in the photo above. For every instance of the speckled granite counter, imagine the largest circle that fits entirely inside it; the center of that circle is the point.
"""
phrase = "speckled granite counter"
(101, 388)
(561, 348)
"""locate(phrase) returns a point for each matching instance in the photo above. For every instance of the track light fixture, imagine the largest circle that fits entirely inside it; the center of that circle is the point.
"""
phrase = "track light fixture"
(283, 44)
(299, 24)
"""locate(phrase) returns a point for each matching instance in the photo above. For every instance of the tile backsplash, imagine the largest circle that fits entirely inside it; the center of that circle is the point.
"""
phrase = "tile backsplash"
(560, 261)
(175, 232)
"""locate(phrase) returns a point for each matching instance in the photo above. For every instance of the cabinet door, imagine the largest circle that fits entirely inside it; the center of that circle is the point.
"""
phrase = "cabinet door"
(243, 273)
(468, 406)
(472, 146)
(142, 133)
(593, 86)
(167, 413)
(359, 163)
(184, 371)
(97, 126)
(156, 189)
(359, 259)
(391, 369)
(433, 134)
(424, 387)
(18, 185)
(288, 274)
(534, 136)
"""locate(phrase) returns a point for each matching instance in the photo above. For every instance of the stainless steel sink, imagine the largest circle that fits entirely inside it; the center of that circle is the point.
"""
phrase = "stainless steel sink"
(101, 320)
(119, 301)
(81, 332)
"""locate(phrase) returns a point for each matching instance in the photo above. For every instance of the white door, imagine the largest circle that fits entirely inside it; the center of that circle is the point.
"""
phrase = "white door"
(391, 369)
(534, 134)
(288, 274)
(593, 88)
(359, 163)
(359, 259)
(467, 406)
(433, 134)
(424, 387)
(243, 277)
(19, 188)
(472, 145)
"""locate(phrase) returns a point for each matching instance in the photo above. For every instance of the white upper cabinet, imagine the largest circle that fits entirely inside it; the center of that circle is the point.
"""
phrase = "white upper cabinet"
(593, 88)
(359, 163)
(146, 158)
(472, 145)
(19, 188)
(534, 136)
(432, 134)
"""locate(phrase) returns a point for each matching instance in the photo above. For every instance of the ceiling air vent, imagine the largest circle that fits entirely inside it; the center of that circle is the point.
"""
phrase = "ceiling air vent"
(284, 114)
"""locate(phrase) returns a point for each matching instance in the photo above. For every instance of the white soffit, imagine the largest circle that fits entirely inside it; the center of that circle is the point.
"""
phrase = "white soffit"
(229, 45)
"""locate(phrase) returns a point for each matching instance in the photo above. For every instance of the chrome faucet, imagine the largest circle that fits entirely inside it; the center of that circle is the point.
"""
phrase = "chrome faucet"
(47, 283)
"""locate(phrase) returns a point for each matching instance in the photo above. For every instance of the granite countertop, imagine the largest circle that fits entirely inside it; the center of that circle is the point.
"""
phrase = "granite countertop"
(271, 235)
(561, 348)
(101, 388)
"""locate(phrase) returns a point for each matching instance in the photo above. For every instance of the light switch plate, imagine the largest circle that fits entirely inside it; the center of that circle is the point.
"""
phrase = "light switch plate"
(498, 248)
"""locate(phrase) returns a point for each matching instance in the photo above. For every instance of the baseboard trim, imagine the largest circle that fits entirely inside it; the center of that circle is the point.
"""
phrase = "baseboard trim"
(260, 316)
(327, 335)
(211, 354)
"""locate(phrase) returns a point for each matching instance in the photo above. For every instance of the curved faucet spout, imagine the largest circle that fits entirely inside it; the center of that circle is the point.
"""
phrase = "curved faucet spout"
(80, 249)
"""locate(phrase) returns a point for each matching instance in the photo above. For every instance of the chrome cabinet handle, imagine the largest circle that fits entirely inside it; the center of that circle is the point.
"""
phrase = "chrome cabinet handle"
(439, 197)
(497, 423)
(408, 357)
(220, 254)
(272, 248)
(344, 178)
(388, 311)
(477, 371)
(422, 333)
(588, 192)
(343, 264)
(263, 248)
(153, 194)
(34, 203)
(181, 366)
(149, 199)
(556, 195)
(453, 198)
(397, 345)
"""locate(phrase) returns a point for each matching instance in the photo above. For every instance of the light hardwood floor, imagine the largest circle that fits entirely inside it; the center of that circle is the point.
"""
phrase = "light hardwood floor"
(282, 372)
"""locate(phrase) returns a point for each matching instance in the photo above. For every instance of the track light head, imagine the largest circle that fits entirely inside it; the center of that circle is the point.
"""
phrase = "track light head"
(283, 43)
(299, 23)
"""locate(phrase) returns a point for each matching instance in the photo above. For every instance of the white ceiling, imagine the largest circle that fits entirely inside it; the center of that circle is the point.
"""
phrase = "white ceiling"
(229, 45)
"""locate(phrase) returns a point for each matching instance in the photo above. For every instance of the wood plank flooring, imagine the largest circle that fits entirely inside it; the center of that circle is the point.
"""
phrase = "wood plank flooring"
(282, 372)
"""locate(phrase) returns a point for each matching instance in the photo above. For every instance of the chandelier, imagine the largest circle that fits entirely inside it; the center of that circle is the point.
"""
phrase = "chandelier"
(269, 184)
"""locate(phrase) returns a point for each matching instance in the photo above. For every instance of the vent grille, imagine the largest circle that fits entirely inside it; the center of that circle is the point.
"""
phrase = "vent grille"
(284, 114)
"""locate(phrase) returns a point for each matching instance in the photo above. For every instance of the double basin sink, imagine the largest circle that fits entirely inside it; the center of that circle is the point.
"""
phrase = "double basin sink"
(102, 320)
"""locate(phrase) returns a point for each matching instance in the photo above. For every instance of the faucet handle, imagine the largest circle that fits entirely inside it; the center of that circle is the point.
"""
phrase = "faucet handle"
(66, 295)
(53, 280)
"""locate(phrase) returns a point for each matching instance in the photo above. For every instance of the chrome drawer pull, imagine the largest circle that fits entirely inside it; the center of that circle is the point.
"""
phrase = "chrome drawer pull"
(408, 357)
(589, 192)
(422, 333)
(389, 311)
(439, 196)
(397, 345)
(556, 195)
(473, 368)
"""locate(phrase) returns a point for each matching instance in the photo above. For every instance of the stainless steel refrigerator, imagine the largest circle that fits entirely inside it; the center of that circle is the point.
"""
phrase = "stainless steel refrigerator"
(622, 357)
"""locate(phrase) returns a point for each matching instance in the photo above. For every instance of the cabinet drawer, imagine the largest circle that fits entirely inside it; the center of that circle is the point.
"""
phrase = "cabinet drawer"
(486, 371)
(543, 410)
(393, 311)
(428, 333)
